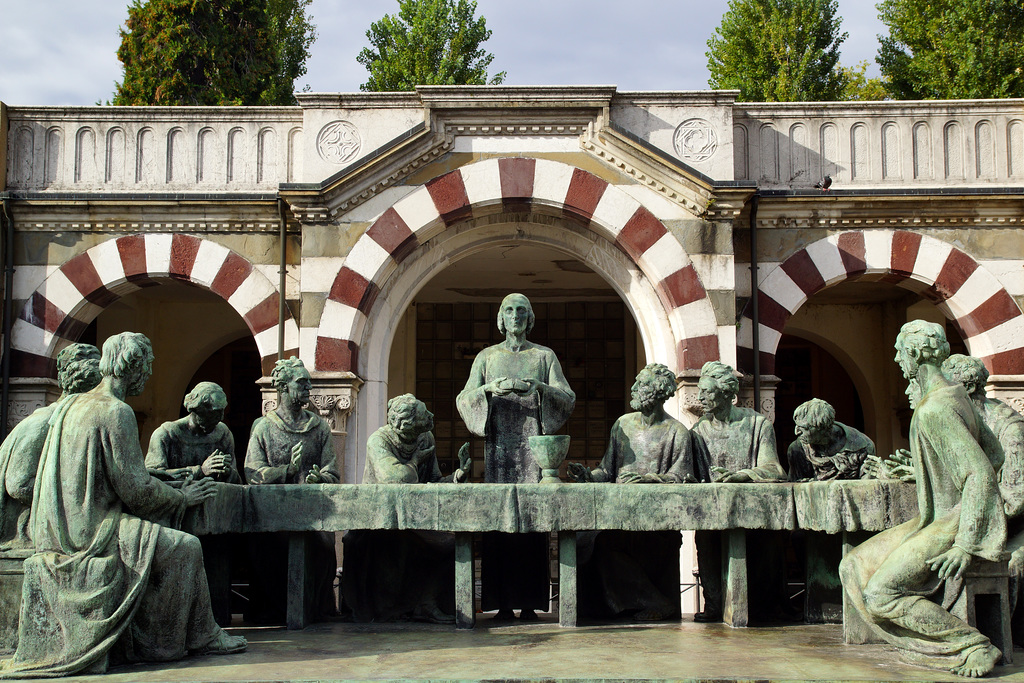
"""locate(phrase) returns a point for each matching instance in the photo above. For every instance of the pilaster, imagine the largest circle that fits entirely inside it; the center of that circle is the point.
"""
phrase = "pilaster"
(27, 395)
(1007, 388)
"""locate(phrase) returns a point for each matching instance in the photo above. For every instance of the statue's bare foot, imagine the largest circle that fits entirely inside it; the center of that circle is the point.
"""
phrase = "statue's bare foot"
(224, 644)
(979, 662)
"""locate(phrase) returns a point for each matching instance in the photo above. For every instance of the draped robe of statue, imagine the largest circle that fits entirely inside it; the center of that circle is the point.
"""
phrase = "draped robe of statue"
(177, 450)
(622, 571)
(266, 462)
(745, 443)
(888, 579)
(107, 580)
(819, 462)
(514, 568)
(1008, 427)
(397, 574)
(19, 459)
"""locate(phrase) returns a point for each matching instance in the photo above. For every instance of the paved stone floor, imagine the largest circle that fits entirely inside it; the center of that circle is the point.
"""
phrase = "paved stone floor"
(543, 651)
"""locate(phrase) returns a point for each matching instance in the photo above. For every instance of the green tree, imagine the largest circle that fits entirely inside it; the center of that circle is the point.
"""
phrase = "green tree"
(213, 52)
(859, 87)
(778, 50)
(952, 49)
(429, 42)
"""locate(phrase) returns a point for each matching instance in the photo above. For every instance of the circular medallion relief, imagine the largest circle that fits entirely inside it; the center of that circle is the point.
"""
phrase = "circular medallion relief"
(338, 142)
(695, 140)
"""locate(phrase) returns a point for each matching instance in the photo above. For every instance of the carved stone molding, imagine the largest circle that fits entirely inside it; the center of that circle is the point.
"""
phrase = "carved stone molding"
(745, 399)
(27, 394)
(1008, 389)
(769, 383)
(333, 397)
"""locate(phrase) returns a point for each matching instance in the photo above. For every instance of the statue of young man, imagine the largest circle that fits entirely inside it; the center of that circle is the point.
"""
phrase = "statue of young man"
(733, 444)
(889, 577)
(106, 582)
(401, 574)
(78, 371)
(627, 572)
(200, 446)
(292, 445)
(825, 449)
(515, 390)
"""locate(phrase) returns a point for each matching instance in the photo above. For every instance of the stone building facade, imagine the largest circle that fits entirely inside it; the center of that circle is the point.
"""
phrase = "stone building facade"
(632, 220)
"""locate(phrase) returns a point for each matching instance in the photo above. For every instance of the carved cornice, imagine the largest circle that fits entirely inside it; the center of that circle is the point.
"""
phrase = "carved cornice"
(381, 169)
(163, 213)
(612, 147)
(892, 210)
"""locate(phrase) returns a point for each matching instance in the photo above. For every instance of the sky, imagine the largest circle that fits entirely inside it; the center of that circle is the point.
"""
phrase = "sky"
(64, 52)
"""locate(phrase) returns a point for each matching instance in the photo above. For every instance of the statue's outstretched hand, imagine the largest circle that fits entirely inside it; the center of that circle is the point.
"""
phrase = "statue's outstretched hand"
(197, 492)
(465, 465)
(314, 476)
(293, 466)
(579, 472)
(950, 564)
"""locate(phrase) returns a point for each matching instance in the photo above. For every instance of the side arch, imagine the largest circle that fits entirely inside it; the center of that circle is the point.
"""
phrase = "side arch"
(515, 185)
(74, 294)
(986, 315)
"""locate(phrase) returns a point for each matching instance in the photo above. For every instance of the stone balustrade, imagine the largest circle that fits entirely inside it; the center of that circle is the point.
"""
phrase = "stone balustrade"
(152, 149)
(880, 144)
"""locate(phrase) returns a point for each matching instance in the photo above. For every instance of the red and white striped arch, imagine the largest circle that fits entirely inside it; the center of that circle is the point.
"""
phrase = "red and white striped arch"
(523, 185)
(74, 294)
(987, 316)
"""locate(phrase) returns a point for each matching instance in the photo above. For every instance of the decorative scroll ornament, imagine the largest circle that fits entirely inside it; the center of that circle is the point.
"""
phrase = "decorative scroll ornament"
(338, 142)
(695, 140)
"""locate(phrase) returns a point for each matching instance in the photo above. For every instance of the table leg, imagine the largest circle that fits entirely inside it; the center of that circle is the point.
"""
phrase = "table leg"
(567, 580)
(299, 585)
(465, 609)
(734, 578)
(855, 629)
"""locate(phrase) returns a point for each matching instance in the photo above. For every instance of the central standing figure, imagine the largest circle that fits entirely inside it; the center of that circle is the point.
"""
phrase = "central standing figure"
(515, 390)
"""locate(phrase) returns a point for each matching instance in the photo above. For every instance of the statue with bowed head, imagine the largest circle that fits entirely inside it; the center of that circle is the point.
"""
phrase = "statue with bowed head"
(200, 446)
(402, 574)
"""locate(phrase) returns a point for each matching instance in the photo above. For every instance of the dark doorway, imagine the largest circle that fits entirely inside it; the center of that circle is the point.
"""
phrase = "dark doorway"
(808, 371)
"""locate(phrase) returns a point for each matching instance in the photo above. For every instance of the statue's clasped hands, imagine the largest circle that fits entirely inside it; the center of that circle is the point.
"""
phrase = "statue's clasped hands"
(216, 465)
(510, 385)
(723, 475)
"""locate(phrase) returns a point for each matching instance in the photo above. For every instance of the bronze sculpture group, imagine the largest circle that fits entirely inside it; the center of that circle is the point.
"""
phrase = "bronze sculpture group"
(82, 454)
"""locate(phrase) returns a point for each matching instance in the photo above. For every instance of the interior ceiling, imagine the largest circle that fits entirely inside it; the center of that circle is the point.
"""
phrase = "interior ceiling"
(540, 273)
(861, 292)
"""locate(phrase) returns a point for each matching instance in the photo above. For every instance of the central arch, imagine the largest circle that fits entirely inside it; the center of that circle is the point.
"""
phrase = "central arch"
(498, 202)
(517, 185)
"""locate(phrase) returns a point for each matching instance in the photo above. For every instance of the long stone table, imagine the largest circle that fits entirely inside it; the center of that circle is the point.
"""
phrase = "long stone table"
(832, 507)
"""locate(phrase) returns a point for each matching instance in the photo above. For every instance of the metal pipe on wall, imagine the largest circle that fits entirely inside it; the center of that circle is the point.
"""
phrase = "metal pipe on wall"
(754, 318)
(5, 364)
(283, 272)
